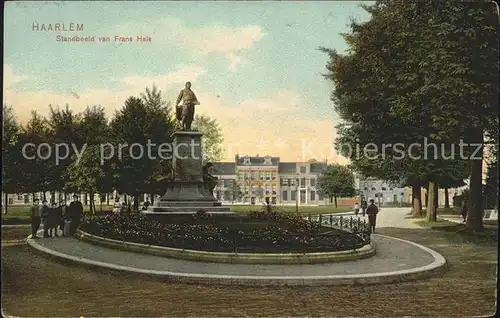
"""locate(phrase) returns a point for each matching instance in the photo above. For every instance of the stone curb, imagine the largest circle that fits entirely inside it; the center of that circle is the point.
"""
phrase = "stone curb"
(234, 258)
(354, 279)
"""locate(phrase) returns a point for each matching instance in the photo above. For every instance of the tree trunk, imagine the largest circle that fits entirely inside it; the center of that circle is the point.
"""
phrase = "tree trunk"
(427, 198)
(416, 194)
(475, 208)
(44, 196)
(431, 207)
(335, 197)
(436, 199)
(152, 195)
(446, 198)
(86, 199)
(136, 202)
(107, 199)
(91, 208)
(6, 204)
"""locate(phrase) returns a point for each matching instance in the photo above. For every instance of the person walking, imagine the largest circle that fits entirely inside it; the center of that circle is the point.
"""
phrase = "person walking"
(45, 211)
(75, 211)
(356, 208)
(36, 218)
(372, 211)
(465, 209)
(363, 207)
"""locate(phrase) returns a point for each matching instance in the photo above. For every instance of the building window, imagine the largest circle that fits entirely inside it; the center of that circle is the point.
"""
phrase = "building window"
(313, 182)
(291, 182)
(19, 197)
(273, 175)
(293, 195)
(261, 175)
(302, 169)
(302, 182)
(366, 189)
(273, 200)
(374, 189)
(284, 182)
(268, 175)
(313, 196)
(284, 196)
(11, 201)
(384, 189)
(26, 199)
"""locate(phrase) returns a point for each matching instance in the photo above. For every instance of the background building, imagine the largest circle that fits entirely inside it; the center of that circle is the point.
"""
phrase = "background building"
(260, 177)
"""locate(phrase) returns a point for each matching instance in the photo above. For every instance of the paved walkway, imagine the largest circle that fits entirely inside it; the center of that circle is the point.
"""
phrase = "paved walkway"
(388, 217)
(395, 259)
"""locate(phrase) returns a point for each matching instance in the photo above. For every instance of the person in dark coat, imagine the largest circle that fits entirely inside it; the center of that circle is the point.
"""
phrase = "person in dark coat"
(363, 207)
(45, 211)
(372, 211)
(465, 209)
(75, 211)
(36, 218)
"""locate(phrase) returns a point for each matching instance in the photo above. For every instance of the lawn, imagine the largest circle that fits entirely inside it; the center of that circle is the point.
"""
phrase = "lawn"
(303, 210)
(15, 233)
(20, 214)
(34, 285)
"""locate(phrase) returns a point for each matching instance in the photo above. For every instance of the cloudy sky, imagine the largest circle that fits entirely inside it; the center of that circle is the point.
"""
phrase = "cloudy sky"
(254, 65)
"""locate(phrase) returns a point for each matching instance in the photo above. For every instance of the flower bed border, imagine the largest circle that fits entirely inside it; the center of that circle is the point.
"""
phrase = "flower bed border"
(234, 258)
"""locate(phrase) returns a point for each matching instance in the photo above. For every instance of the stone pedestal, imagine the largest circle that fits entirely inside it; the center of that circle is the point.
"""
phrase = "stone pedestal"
(187, 193)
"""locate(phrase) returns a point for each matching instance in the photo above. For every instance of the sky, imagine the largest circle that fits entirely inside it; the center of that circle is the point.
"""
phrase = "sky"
(254, 66)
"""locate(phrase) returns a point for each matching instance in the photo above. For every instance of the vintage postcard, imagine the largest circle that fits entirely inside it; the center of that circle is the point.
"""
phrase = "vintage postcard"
(248, 158)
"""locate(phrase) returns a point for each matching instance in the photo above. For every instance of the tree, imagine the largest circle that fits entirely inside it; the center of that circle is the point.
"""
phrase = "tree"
(407, 75)
(87, 174)
(258, 192)
(35, 164)
(236, 193)
(160, 113)
(11, 155)
(90, 174)
(491, 186)
(147, 126)
(64, 135)
(212, 137)
(336, 181)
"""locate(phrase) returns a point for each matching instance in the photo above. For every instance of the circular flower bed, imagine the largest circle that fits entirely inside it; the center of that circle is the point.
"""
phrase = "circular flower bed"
(258, 232)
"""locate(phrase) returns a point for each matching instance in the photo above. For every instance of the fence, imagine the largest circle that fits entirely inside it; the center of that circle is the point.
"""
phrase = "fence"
(349, 224)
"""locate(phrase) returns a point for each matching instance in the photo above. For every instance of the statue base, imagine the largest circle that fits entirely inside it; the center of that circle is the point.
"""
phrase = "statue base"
(187, 197)
(188, 193)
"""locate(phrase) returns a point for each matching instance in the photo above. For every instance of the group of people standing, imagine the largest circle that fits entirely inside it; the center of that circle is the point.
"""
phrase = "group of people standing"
(371, 210)
(65, 217)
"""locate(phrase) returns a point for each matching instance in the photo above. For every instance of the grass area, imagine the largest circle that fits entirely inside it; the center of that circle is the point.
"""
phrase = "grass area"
(15, 233)
(34, 285)
(434, 224)
(459, 232)
(20, 214)
(443, 211)
(303, 210)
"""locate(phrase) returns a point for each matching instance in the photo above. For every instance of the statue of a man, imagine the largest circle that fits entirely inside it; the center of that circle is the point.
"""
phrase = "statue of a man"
(185, 113)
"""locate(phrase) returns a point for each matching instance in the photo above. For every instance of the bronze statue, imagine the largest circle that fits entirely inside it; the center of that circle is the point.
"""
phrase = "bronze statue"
(209, 180)
(185, 112)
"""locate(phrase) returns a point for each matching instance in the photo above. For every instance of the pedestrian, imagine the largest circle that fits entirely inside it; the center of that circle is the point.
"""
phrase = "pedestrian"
(465, 209)
(356, 208)
(45, 211)
(372, 211)
(75, 211)
(363, 207)
(36, 218)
